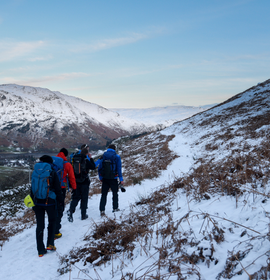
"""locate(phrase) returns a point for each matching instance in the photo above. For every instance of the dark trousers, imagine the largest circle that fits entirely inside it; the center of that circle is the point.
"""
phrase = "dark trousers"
(40, 217)
(80, 194)
(106, 185)
(60, 210)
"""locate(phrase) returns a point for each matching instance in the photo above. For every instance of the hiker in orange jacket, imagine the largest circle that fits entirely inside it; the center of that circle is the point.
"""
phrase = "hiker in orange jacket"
(69, 177)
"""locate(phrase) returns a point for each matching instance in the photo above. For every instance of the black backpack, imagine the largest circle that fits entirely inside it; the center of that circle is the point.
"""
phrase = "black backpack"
(108, 169)
(79, 166)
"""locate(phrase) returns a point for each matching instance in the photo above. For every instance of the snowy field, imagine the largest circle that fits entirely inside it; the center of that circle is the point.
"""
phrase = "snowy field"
(19, 258)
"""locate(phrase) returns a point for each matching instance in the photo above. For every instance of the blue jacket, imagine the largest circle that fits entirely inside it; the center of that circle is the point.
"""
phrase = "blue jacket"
(118, 164)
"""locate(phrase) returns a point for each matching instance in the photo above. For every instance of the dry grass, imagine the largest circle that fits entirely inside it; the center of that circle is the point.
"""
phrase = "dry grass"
(10, 227)
(145, 157)
(116, 239)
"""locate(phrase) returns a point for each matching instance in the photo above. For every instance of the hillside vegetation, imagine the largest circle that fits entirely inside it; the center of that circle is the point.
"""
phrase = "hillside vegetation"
(207, 214)
(230, 149)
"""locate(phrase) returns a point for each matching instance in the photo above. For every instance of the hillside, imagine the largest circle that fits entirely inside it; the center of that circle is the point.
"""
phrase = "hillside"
(34, 118)
(196, 206)
(164, 116)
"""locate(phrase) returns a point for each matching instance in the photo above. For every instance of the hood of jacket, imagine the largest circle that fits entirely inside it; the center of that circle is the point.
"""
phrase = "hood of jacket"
(62, 155)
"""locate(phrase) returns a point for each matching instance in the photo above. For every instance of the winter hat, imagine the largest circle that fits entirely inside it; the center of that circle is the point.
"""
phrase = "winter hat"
(64, 151)
(112, 146)
(84, 146)
(46, 158)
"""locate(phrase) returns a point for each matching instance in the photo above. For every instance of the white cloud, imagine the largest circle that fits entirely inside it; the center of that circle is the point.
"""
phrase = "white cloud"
(14, 50)
(120, 41)
(110, 43)
(41, 58)
(40, 81)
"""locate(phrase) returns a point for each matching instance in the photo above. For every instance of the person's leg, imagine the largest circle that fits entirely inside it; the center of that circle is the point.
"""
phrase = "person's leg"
(40, 216)
(60, 210)
(114, 188)
(84, 200)
(76, 196)
(51, 212)
(64, 191)
(104, 192)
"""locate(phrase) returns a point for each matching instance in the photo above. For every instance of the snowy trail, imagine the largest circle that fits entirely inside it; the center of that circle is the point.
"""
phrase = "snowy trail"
(19, 258)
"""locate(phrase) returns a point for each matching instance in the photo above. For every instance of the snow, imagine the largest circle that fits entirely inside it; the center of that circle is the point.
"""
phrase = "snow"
(161, 115)
(23, 104)
(19, 259)
(243, 219)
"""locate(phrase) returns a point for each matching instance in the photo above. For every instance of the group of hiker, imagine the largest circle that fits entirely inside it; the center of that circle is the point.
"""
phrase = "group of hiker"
(53, 175)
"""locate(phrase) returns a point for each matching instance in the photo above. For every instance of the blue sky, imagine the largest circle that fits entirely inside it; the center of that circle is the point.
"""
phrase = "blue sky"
(136, 54)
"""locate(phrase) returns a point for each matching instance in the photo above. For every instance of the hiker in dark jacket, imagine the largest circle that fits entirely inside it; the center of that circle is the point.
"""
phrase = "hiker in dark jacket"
(47, 205)
(110, 183)
(83, 183)
(68, 171)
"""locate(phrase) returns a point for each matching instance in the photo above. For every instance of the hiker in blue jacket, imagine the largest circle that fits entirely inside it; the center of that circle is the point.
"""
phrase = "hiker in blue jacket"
(110, 181)
(47, 205)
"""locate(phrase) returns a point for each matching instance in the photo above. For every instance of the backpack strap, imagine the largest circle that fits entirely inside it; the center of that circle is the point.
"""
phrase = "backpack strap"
(48, 190)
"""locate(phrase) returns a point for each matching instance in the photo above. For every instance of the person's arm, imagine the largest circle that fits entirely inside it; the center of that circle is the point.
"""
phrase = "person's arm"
(56, 187)
(119, 169)
(99, 170)
(71, 176)
(90, 164)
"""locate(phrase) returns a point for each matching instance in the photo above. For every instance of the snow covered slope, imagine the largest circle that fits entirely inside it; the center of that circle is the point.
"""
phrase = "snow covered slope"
(206, 215)
(40, 118)
(164, 116)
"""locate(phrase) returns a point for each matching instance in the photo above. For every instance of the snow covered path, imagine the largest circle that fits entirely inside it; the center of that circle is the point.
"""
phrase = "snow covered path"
(19, 258)
(244, 220)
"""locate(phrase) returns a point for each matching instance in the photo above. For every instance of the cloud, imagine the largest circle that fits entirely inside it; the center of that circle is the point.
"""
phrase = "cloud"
(110, 43)
(14, 50)
(46, 79)
(116, 42)
(40, 58)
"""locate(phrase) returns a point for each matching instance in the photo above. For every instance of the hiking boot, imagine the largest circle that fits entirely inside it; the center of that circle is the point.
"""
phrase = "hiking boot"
(116, 210)
(85, 217)
(57, 235)
(51, 248)
(42, 254)
(102, 213)
(70, 218)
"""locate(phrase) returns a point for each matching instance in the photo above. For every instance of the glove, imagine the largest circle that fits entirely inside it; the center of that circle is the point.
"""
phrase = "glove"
(73, 191)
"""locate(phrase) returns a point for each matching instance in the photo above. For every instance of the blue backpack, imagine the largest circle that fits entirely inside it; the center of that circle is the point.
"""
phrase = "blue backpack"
(108, 166)
(40, 183)
(58, 167)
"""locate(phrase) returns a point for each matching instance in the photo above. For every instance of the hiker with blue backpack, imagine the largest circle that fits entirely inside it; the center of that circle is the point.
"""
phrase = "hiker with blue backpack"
(66, 176)
(46, 193)
(109, 171)
(82, 162)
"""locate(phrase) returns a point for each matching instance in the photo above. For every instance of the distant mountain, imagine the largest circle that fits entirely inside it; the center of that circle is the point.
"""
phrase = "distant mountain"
(164, 116)
(37, 118)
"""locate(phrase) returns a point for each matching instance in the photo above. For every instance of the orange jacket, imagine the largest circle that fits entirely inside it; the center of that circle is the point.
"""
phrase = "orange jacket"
(68, 170)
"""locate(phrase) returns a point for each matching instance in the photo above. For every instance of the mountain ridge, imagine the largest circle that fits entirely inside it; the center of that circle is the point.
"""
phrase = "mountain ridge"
(162, 115)
(37, 118)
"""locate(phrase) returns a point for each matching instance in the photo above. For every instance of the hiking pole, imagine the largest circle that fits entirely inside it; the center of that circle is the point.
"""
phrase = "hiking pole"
(121, 188)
